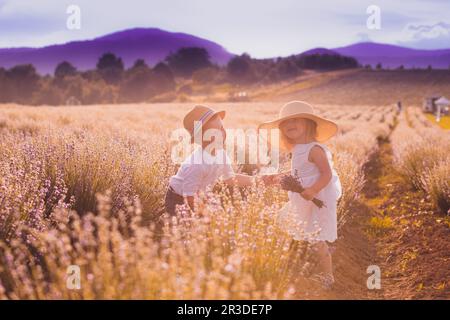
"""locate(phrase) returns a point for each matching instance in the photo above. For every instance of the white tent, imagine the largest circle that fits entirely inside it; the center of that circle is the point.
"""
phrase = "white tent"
(441, 103)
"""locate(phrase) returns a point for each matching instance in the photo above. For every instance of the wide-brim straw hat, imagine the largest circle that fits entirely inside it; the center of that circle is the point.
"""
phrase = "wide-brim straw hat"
(298, 109)
(198, 116)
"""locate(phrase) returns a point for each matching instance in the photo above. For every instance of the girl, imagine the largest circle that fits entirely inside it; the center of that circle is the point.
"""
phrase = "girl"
(302, 132)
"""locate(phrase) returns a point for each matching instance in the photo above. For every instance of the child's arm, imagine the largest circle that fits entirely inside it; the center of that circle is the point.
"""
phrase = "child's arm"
(242, 180)
(319, 158)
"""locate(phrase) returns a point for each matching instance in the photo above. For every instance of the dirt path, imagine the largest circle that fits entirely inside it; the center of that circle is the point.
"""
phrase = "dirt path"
(403, 234)
(396, 228)
(411, 237)
(356, 249)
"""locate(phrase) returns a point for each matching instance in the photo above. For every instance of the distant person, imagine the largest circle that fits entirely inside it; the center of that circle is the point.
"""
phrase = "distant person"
(301, 132)
(399, 106)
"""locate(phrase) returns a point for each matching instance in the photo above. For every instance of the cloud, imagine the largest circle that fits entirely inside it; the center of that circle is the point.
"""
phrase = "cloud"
(24, 19)
(262, 28)
(426, 36)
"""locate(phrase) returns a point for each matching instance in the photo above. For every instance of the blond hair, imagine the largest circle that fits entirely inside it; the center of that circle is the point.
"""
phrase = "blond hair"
(310, 132)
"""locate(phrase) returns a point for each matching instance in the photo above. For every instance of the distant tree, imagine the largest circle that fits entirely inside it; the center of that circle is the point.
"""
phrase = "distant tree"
(109, 60)
(240, 70)
(205, 75)
(166, 79)
(65, 69)
(185, 89)
(137, 84)
(23, 81)
(75, 87)
(326, 61)
(91, 75)
(368, 67)
(188, 60)
(379, 66)
(140, 83)
(99, 92)
(429, 67)
(287, 68)
(5, 92)
(401, 67)
(139, 63)
(48, 94)
(110, 68)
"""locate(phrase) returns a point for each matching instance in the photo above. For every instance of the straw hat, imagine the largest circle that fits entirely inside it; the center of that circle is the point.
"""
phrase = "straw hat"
(299, 109)
(198, 116)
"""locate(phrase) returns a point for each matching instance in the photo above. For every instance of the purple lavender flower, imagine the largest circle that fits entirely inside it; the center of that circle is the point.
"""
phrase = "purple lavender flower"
(290, 183)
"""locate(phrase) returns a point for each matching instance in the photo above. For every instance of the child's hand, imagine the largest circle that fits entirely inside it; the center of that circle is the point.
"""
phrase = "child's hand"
(308, 194)
(271, 179)
(267, 179)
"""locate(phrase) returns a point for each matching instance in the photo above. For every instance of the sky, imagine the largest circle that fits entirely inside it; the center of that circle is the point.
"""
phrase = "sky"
(259, 27)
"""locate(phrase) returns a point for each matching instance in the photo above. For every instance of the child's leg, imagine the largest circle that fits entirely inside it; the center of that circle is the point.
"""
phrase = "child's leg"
(298, 250)
(299, 264)
(324, 263)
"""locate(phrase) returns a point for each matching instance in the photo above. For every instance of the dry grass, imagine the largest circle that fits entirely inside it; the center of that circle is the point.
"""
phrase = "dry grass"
(85, 185)
(421, 152)
(444, 123)
(376, 87)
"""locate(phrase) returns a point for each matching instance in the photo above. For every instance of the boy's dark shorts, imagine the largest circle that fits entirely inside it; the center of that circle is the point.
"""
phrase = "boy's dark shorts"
(172, 200)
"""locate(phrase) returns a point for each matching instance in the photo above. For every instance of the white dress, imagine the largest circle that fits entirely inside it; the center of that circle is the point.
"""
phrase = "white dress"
(301, 218)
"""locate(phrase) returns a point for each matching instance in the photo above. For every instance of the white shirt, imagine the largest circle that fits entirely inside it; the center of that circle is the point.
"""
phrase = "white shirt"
(200, 170)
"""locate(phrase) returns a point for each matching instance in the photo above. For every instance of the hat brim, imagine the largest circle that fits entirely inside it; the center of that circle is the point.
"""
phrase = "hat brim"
(326, 129)
(220, 113)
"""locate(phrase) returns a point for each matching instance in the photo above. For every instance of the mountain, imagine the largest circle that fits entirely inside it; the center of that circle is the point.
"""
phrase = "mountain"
(393, 56)
(319, 51)
(151, 44)
(154, 45)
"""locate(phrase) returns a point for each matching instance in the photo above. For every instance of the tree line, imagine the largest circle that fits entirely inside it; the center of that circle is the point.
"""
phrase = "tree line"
(111, 82)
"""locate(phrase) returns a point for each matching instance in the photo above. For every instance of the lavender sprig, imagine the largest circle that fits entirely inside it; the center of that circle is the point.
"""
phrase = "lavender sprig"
(290, 183)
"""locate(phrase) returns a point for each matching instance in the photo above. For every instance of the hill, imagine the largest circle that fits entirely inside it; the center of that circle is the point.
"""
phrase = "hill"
(394, 56)
(371, 87)
(150, 44)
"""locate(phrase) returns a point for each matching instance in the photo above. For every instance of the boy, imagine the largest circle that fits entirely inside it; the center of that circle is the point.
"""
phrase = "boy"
(206, 164)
